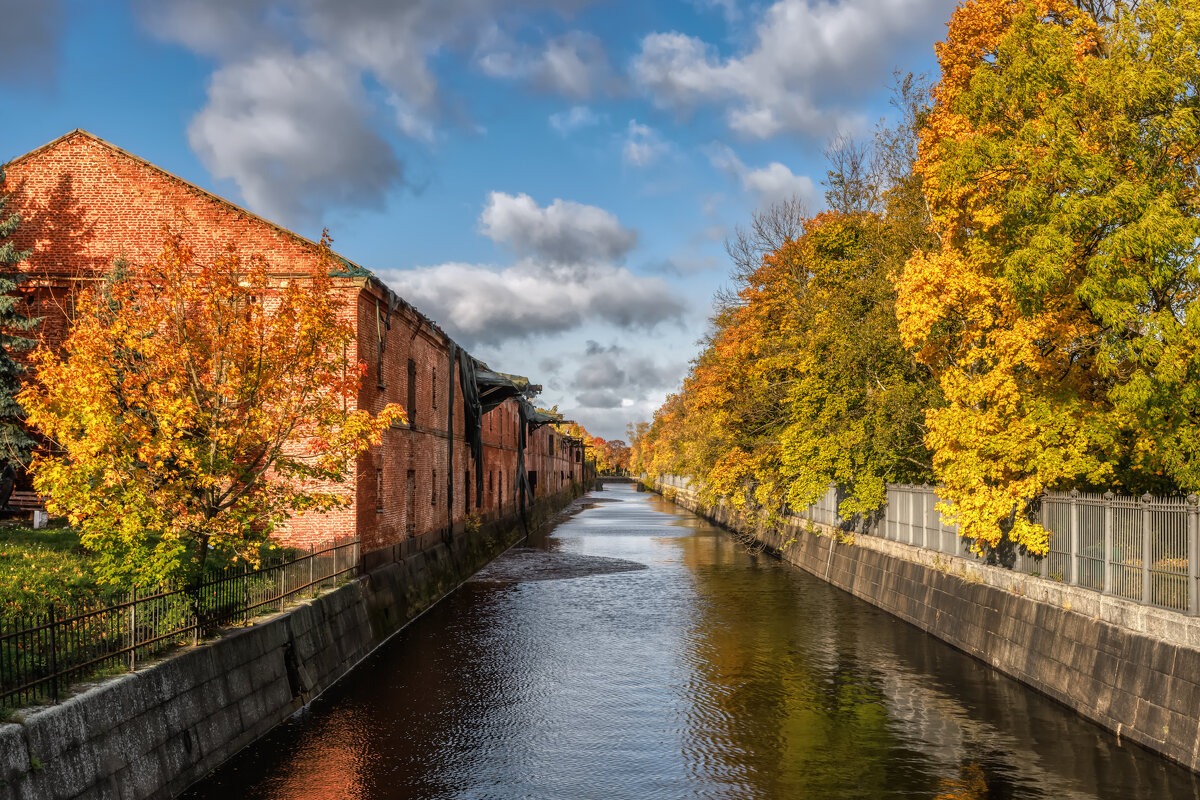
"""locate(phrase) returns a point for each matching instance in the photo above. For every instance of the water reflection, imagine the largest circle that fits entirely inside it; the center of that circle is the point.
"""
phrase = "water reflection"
(644, 654)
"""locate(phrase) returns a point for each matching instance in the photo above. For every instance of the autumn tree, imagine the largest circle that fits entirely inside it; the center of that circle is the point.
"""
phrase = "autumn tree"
(803, 380)
(15, 442)
(1058, 307)
(196, 405)
(616, 455)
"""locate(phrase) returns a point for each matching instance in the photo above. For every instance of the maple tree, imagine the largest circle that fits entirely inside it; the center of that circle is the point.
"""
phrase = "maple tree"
(195, 406)
(1058, 307)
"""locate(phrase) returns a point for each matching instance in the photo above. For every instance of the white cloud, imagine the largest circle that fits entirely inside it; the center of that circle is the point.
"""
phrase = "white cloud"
(293, 133)
(480, 304)
(770, 184)
(340, 45)
(643, 145)
(574, 64)
(574, 119)
(563, 232)
(808, 57)
(564, 277)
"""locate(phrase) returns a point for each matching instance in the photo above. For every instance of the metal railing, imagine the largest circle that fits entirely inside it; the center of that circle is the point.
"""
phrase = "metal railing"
(42, 654)
(1144, 549)
(1141, 549)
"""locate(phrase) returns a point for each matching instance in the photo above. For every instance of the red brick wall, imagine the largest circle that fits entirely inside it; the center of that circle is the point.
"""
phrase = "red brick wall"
(85, 203)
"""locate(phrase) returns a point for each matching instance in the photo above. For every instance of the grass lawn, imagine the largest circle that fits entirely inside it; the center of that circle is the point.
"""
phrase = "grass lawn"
(47, 566)
(41, 567)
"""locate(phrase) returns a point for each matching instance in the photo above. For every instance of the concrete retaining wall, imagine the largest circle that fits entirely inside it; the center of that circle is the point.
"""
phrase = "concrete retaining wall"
(152, 733)
(1132, 669)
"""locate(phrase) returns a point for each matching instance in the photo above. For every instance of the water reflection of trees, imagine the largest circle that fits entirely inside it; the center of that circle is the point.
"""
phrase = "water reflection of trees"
(779, 697)
(816, 694)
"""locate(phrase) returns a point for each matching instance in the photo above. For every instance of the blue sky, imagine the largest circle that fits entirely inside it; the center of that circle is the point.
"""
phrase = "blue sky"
(550, 180)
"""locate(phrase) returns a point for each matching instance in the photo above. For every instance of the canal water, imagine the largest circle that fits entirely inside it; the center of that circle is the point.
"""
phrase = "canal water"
(636, 651)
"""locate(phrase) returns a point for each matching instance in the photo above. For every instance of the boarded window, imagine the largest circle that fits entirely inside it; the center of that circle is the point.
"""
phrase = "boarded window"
(433, 490)
(379, 488)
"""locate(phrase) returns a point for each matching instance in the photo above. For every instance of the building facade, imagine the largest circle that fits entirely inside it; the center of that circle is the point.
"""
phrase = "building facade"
(473, 441)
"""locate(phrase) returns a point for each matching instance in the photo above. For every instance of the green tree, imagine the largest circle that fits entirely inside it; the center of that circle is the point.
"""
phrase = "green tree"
(15, 442)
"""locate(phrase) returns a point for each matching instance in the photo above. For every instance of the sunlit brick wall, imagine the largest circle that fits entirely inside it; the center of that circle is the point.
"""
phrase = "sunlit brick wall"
(85, 203)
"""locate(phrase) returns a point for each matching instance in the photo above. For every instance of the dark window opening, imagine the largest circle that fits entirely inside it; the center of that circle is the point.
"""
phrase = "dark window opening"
(380, 343)
(435, 388)
(412, 392)
(533, 481)
(379, 488)
(433, 490)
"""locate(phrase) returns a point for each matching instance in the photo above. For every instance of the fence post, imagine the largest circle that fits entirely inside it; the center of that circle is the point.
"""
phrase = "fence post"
(1107, 542)
(1073, 567)
(924, 492)
(912, 514)
(282, 570)
(1193, 571)
(941, 525)
(312, 552)
(133, 629)
(53, 656)
(1146, 593)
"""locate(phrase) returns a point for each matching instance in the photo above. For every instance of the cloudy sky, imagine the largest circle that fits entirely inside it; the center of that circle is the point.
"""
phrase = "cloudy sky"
(550, 180)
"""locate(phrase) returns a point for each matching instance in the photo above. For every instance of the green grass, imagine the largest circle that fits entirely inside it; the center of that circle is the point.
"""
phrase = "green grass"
(41, 567)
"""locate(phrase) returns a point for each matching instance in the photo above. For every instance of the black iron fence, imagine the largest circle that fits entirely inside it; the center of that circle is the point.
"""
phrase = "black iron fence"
(42, 654)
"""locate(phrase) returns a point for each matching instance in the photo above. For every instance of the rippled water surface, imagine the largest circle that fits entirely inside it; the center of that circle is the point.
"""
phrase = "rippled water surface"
(637, 652)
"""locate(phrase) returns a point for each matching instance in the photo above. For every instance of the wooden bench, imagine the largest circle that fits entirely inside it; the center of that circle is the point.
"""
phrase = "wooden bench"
(28, 501)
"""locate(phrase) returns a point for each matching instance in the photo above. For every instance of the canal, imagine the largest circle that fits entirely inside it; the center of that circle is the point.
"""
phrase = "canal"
(635, 651)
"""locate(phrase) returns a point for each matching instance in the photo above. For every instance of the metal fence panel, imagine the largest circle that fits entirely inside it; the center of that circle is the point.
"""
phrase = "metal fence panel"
(40, 655)
(1126, 556)
(1168, 559)
(1056, 518)
(1090, 560)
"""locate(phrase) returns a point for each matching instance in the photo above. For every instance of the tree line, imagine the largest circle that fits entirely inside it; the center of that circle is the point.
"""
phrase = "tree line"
(1002, 296)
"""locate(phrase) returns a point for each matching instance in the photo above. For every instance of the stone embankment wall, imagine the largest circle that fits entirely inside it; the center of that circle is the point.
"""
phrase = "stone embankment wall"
(1132, 669)
(152, 733)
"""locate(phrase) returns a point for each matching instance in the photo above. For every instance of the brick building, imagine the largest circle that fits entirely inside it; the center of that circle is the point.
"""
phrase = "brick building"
(85, 203)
